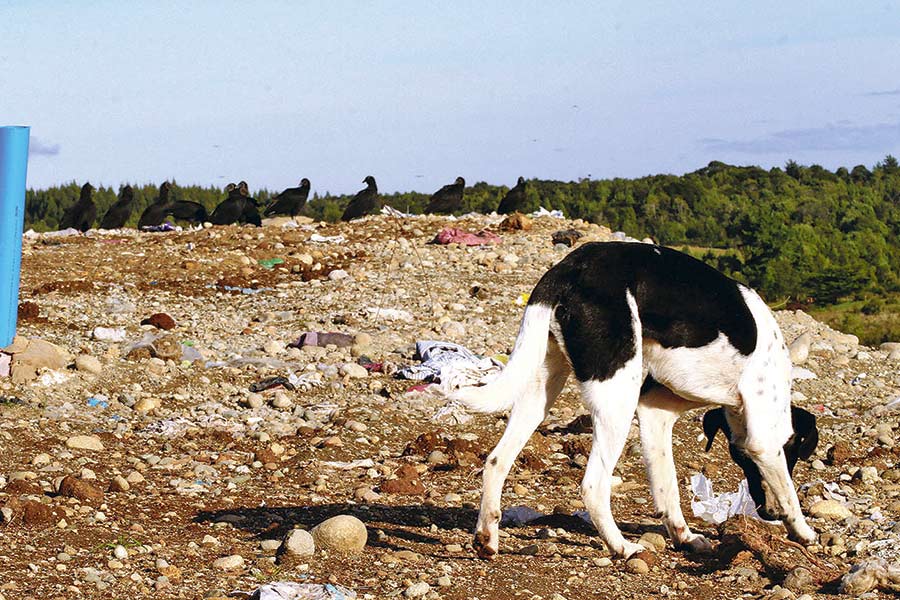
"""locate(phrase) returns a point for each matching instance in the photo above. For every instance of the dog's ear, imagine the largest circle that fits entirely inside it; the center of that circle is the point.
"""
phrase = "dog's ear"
(713, 421)
(805, 429)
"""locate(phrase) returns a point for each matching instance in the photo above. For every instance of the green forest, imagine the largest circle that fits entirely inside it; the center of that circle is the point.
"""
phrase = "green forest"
(799, 234)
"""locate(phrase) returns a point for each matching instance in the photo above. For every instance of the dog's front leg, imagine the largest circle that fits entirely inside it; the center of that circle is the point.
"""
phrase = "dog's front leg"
(657, 412)
(781, 495)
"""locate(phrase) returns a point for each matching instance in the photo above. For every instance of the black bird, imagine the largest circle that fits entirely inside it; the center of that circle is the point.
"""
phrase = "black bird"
(290, 201)
(250, 208)
(157, 212)
(448, 199)
(238, 207)
(364, 202)
(514, 199)
(185, 210)
(230, 209)
(118, 213)
(82, 214)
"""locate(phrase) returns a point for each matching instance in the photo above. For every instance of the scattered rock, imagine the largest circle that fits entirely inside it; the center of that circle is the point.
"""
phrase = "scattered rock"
(160, 321)
(637, 565)
(829, 509)
(84, 442)
(229, 563)
(74, 487)
(298, 542)
(341, 534)
(88, 364)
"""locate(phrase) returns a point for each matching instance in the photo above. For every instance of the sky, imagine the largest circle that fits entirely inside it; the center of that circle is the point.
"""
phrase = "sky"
(418, 93)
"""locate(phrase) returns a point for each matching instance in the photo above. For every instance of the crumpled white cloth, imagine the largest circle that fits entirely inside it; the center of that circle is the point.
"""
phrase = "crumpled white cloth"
(289, 590)
(718, 508)
(451, 365)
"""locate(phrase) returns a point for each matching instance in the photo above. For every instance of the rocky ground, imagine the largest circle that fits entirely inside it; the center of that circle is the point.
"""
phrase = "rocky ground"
(143, 464)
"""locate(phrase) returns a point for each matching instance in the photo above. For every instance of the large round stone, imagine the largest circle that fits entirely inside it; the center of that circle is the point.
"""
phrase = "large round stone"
(343, 534)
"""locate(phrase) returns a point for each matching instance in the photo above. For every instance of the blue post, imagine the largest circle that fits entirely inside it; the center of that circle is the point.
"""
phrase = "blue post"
(13, 165)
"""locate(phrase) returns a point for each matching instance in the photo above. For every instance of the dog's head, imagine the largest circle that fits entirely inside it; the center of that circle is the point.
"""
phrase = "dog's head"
(801, 444)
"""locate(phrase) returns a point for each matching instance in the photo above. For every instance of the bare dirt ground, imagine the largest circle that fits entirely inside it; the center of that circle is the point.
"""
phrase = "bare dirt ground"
(214, 471)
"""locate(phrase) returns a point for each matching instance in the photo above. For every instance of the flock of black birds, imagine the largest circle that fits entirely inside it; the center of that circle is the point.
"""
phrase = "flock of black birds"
(239, 207)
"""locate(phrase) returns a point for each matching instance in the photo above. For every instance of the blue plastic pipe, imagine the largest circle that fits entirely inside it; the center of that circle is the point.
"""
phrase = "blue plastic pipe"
(13, 166)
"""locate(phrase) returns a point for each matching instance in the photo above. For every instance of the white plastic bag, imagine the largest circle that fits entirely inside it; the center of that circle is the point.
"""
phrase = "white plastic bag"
(718, 508)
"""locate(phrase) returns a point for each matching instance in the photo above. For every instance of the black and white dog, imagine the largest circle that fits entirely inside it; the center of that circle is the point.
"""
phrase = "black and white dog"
(652, 330)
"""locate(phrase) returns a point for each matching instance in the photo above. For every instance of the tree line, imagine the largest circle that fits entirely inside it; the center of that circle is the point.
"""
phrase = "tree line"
(799, 233)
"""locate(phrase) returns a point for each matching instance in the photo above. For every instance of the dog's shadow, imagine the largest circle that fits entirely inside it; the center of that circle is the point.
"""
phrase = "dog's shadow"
(412, 524)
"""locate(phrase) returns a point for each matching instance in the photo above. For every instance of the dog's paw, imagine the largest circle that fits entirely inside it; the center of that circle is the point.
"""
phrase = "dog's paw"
(630, 549)
(696, 543)
(483, 547)
(803, 533)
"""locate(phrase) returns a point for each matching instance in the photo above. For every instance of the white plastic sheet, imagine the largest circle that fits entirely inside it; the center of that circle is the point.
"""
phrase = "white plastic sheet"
(718, 508)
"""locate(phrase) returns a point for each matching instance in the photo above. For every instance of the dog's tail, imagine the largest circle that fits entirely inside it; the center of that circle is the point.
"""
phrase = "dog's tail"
(521, 372)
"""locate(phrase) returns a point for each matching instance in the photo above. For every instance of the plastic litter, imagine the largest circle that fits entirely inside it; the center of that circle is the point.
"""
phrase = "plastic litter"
(543, 212)
(515, 516)
(290, 590)
(53, 378)
(109, 334)
(522, 300)
(449, 364)
(451, 235)
(5, 361)
(158, 228)
(327, 239)
(98, 402)
(718, 508)
(393, 212)
(389, 314)
(269, 263)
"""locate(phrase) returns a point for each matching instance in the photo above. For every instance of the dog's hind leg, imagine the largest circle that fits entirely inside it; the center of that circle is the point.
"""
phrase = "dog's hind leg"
(527, 413)
(657, 412)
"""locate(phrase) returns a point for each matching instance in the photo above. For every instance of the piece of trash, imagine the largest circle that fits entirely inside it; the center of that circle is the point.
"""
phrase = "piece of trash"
(94, 402)
(369, 365)
(393, 212)
(363, 463)
(389, 314)
(327, 239)
(52, 378)
(5, 361)
(452, 235)
(516, 516)
(522, 300)
(858, 379)
(322, 338)
(420, 387)
(290, 590)
(893, 403)
(799, 373)
(158, 228)
(272, 382)
(449, 364)
(543, 212)
(269, 263)
(306, 380)
(109, 334)
(718, 508)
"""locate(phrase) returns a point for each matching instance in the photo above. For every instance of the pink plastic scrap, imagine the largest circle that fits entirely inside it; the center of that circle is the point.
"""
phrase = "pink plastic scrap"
(451, 235)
